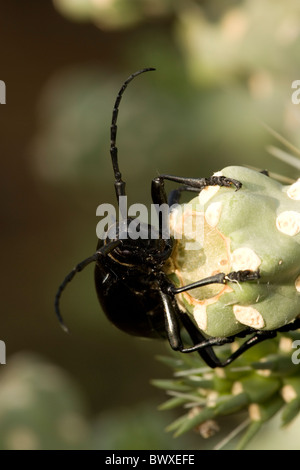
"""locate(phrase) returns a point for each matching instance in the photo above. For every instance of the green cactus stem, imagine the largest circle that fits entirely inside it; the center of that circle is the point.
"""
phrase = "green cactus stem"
(223, 230)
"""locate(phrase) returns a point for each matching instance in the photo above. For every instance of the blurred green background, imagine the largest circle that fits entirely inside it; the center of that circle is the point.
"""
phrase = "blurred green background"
(223, 69)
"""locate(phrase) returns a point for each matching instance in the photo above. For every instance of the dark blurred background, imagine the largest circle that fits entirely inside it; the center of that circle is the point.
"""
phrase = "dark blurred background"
(223, 69)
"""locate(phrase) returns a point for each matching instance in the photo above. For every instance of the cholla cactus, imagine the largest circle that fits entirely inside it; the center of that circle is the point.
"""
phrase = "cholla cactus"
(256, 228)
(262, 382)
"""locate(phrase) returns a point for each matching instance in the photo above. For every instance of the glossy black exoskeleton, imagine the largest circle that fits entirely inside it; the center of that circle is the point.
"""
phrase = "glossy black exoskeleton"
(132, 287)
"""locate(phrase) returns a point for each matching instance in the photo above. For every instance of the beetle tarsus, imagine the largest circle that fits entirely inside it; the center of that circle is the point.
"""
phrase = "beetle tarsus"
(242, 276)
(223, 181)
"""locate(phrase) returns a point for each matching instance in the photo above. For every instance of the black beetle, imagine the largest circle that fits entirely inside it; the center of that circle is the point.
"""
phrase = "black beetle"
(132, 287)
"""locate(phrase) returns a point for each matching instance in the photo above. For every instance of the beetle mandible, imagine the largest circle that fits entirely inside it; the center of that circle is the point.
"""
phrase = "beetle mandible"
(135, 291)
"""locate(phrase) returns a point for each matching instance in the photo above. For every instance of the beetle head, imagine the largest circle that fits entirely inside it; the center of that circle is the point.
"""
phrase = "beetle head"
(141, 243)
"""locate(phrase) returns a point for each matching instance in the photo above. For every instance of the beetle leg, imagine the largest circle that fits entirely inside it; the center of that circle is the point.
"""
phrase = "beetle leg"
(171, 321)
(172, 326)
(189, 184)
(103, 251)
(207, 344)
(159, 194)
(257, 338)
(295, 325)
(175, 194)
(220, 278)
(158, 191)
(206, 353)
(203, 346)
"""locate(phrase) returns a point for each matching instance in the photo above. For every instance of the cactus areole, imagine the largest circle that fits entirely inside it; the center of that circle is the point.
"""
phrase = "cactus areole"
(256, 228)
(228, 268)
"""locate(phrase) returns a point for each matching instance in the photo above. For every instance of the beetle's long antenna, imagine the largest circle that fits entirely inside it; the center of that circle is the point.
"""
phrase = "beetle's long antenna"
(119, 183)
(79, 267)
